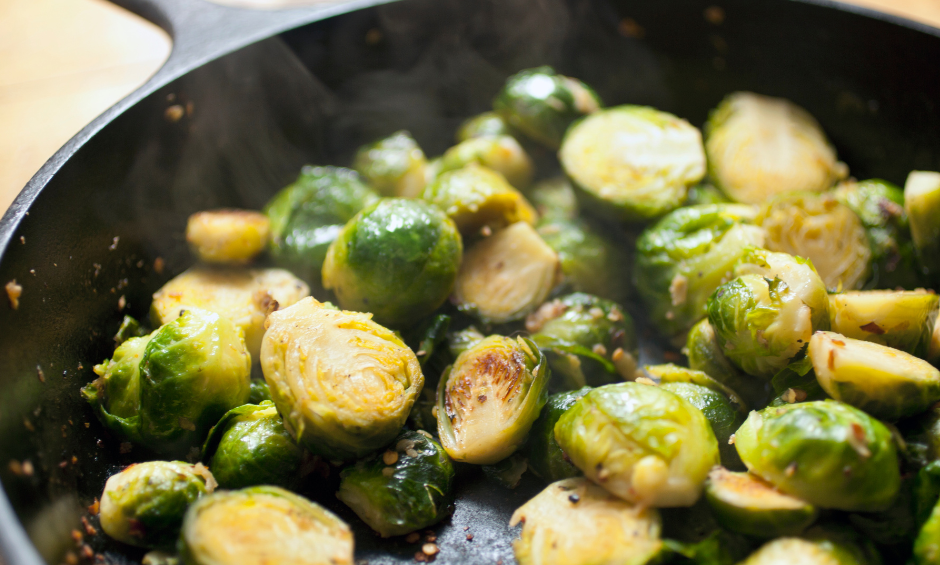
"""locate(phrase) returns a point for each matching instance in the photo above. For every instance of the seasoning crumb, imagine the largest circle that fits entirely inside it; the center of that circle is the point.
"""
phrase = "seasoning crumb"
(430, 549)
(714, 15)
(388, 471)
(23, 239)
(40, 374)
(14, 291)
(80, 367)
(28, 468)
(425, 434)
(126, 447)
(28, 425)
(574, 498)
(77, 536)
(421, 352)
(390, 457)
(421, 558)
(645, 381)
(790, 470)
(412, 537)
(431, 538)
(465, 528)
(158, 265)
(599, 349)
(87, 552)
(87, 425)
(89, 529)
(469, 537)
(95, 507)
(122, 302)
(174, 113)
(71, 558)
(617, 355)
(114, 243)
(486, 231)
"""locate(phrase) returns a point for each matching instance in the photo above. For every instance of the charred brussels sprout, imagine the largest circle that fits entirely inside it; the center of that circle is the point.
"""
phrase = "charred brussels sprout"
(633, 163)
(759, 147)
(546, 459)
(743, 503)
(405, 488)
(589, 261)
(482, 125)
(817, 227)
(640, 442)
(144, 504)
(542, 104)
(307, 215)
(489, 399)
(805, 552)
(227, 236)
(115, 394)
(397, 259)
(588, 340)
(309, 355)
(263, 525)
(903, 320)
(825, 452)
(682, 259)
(724, 416)
(882, 381)
(922, 204)
(393, 165)
(704, 353)
(249, 446)
(499, 153)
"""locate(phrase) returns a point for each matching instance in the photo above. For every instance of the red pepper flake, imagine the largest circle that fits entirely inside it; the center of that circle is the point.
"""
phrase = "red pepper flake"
(89, 529)
(95, 507)
(158, 265)
(77, 536)
(832, 359)
(872, 327)
(71, 558)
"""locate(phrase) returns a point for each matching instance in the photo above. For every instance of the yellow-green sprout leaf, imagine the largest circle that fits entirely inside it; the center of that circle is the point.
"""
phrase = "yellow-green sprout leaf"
(232, 237)
(927, 544)
(903, 320)
(922, 204)
(786, 551)
(499, 153)
(115, 394)
(743, 503)
(394, 165)
(705, 354)
(482, 125)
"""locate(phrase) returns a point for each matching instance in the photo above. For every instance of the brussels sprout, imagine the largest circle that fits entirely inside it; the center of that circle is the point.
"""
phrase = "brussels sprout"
(920, 443)
(784, 551)
(759, 147)
(508, 472)
(882, 381)
(588, 340)
(397, 259)
(721, 547)
(724, 416)
(499, 153)
(428, 337)
(633, 163)
(682, 259)
(306, 216)
(232, 237)
(158, 557)
(927, 544)
(260, 526)
(819, 228)
(640, 442)
(825, 452)
(576, 522)
(115, 394)
(704, 354)
(546, 459)
(144, 504)
(249, 446)
(259, 392)
(458, 342)
(797, 382)
(393, 165)
(743, 503)
(476, 197)
(903, 320)
(489, 398)
(925, 491)
(482, 125)
(922, 204)
(405, 488)
(880, 206)
(506, 275)
(894, 526)
(554, 199)
(542, 104)
(343, 383)
(706, 193)
(243, 296)
(589, 261)
(129, 328)
(669, 373)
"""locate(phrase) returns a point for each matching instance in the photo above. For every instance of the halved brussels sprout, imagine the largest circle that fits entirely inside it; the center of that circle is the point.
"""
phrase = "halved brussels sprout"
(903, 320)
(640, 442)
(704, 354)
(231, 237)
(554, 199)
(546, 459)
(249, 446)
(499, 153)
(405, 488)
(825, 452)
(144, 504)
(724, 415)
(927, 544)
(261, 526)
(819, 228)
(259, 392)
(489, 398)
(506, 275)
(115, 394)
(243, 296)
(759, 147)
(394, 165)
(922, 204)
(576, 522)
(784, 551)
(397, 259)
(743, 503)
(476, 197)
(306, 216)
(343, 383)
(482, 125)
(633, 163)
(667, 373)
(882, 381)
(588, 340)
(589, 261)
(684, 257)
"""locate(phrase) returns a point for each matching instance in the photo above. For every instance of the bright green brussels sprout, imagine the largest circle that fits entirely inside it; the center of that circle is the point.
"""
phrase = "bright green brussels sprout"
(546, 459)
(819, 228)
(542, 104)
(482, 125)
(706, 193)
(589, 261)
(507, 275)
(759, 147)
(684, 257)
(259, 392)
(554, 199)
(243, 296)
(261, 526)
(785, 551)
(249, 446)
(144, 504)
(724, 416)
(588, 340)
(825, 452)
(885, 382)
(640, 442)
(922, 204)
(927, 544)
(633, 163)
(903, 320)
(880, 206)
(397, 259)
(115, 394)
(670, 373)
(925, 492)
(498, 153)
(476, 197)
(343, 383)
(227, 237)
(405, 488)
(575, 522)
(394, 165)
(306, 216)
(489, 398)
(705, 355)
(129, 328)
(743, 503)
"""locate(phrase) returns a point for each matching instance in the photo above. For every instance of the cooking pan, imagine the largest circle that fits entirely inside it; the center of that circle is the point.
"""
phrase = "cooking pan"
(248, 97)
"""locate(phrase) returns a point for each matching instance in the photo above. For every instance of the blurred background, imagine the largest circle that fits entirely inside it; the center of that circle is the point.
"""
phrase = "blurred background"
(63, 62)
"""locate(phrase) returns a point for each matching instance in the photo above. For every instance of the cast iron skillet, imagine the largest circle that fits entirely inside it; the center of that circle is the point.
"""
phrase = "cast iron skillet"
(89, 228)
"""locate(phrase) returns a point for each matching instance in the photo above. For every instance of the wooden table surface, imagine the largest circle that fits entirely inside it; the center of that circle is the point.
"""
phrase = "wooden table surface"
(63, 62)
